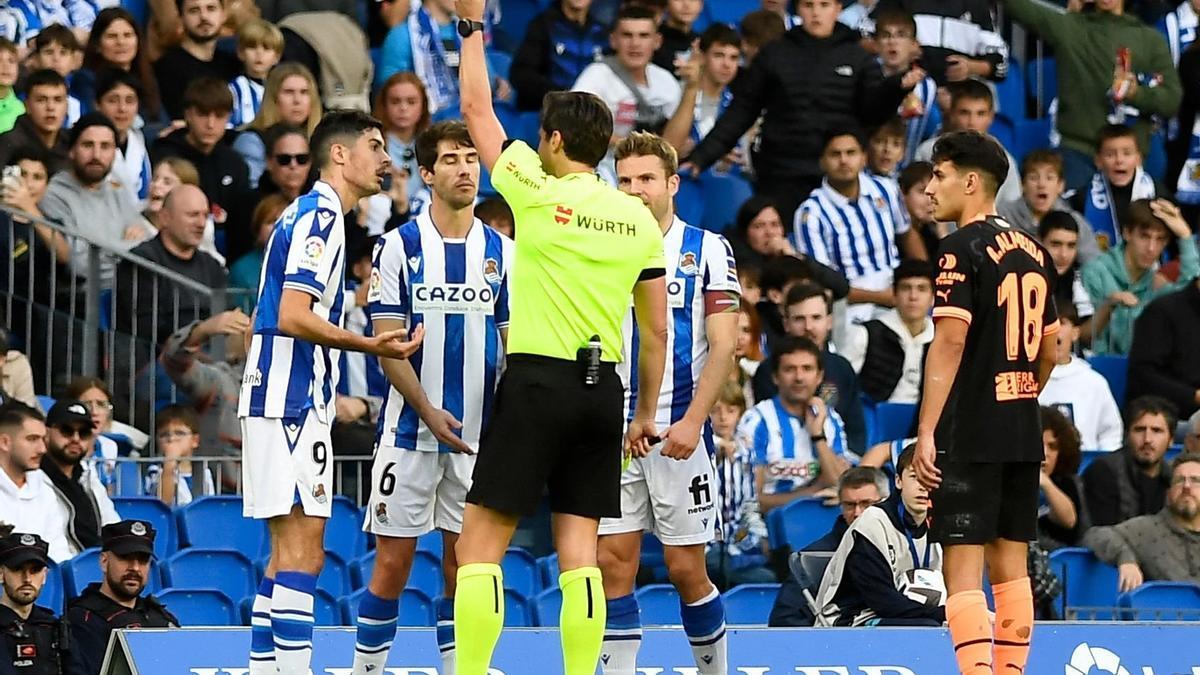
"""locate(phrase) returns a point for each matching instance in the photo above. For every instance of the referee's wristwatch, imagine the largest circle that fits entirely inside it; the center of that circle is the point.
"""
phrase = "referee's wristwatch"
(466, 27)
(817, 439)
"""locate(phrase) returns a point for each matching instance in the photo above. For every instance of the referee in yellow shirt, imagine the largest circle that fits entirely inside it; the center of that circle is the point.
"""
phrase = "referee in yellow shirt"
(556, 425)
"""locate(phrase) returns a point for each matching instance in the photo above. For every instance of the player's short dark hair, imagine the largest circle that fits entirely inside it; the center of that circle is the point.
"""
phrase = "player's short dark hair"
(13, 413)
(1042, 157)
(454, 131)
(57, 34)
(583, 120)
(806, 290)
(111, 78)
(1109, 132)
(893, 128)
(1151, 405)
(1139, 216)
(31, 153)
(912, 269)
(914, 173)
(835, 133)
(1057, 220)
(342, 127)
(208, 95)
(177, 414)
(635, 11)
(792, 344)
(894, 16)
(277, 132)
(719, 34)
(971, 90)
(761, 27)
(45, 77)
(861, 476)
(906, 458)
(973, 151)
(92, 119)
(1069, 442)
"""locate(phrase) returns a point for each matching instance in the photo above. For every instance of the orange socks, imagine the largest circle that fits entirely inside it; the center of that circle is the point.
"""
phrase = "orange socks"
(1014, 625)
(971, 632)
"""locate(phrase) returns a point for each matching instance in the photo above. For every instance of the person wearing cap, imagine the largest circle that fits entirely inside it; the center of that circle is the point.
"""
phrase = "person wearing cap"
(116, 601)
(86, 506)
(31, 636)
(86, 199)
(27, 499)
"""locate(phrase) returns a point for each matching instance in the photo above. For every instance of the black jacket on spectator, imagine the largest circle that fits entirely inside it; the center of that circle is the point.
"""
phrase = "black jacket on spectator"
(1165, 359)
(1053, 536)
(176, 68)
(1115, 489)
(802, 87)
(30, 647)
(959, 23)
(674, 42)
(840, 390)
(85, 520)
(93, 615)
(137, 306)
(553, 54)
(24, 134)
(224, 179)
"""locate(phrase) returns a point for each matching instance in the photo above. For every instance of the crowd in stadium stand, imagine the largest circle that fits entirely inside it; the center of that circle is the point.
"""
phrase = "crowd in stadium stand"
(178, 132)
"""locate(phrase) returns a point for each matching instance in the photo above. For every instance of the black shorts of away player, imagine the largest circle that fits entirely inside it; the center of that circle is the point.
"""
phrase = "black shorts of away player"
(550, 432)
(979, 502)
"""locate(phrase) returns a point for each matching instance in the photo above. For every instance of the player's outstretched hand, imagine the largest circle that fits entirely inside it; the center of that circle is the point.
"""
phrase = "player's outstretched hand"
(925, 463)
(443, 425)
(391, 345)
(680, 439)
(640, 437)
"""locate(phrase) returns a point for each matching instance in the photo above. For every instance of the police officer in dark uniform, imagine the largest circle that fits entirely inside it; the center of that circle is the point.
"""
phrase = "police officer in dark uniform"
(32, 639)
(117, 601)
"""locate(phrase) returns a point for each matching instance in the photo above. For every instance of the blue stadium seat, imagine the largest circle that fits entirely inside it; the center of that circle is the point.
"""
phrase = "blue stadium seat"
(1049, 68)
(729, 11)
(52, 591)
(335, 575)
(517, 613)
(1010, 93)
(360, 570)
(1115, 370)
(1089, 456)
(426, 575)
(217, 522)
(546, 607)
(689, 201)
(343, 533)
(548, 567)
(432, 542)
(520, 572)
(750, 604)
(416, 608)
(200, 606)
(501, 63)
(47, 402)
(1162, 601)
(1030, 135)
(893, 421)
(158, 514)
(226, 570)
(517, 16)
(1087, 582)
(799, 523)
(80, 571)
(325, 609)
(652, 556)
(723, 196)
(659, 604)
(140, 9)
(130, 483)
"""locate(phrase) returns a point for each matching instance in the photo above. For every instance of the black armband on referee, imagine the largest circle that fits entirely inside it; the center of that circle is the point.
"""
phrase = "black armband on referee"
(652, 273)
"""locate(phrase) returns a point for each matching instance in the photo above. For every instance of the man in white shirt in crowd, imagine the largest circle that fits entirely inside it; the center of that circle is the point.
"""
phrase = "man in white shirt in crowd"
(27, 499)
(1080, 393)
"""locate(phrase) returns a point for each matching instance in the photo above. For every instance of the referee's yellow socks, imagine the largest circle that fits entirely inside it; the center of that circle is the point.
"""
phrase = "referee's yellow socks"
(581, 623)
(478, 616)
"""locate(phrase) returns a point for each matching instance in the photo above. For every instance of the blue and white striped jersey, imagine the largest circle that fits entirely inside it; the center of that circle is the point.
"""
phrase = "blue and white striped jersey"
(457, 288)
(285, 376)
(131, 167)
(920, 128)
(362, 376)
(1179, 27)
(247, 100)
(857, 238)
(697, 261)
(778, 441)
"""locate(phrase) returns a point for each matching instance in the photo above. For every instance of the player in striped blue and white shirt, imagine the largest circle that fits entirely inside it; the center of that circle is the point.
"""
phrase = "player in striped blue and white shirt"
(798, 444)
(852, 223)
(449, 272)
(291, 373)
(672, 490)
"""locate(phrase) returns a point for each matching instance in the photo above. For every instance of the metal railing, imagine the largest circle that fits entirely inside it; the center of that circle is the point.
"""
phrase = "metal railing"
(70, 322)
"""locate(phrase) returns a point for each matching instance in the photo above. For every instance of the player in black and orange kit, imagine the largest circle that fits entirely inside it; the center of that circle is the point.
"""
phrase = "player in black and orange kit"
(979, 438)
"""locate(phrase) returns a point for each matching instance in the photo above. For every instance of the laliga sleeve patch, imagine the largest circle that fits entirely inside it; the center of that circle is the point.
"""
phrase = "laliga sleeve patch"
(312, 253)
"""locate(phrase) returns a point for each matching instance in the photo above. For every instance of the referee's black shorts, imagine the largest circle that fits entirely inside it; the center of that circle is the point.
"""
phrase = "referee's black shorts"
(550, 431)
(978, 502)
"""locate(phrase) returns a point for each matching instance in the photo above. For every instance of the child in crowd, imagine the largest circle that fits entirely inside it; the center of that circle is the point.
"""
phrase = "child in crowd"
(1120, 181)
(496, 213)
(57, 49)
(1060, 233)
(886, 149)
(899, 51)
(11, 107)
(677, 34)
(175, 481)
(913, 180)
(1042, 186)
(259, 48)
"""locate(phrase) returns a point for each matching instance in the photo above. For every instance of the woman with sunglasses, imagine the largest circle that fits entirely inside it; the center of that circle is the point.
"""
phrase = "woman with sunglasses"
(289, 96)
(287, 162)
